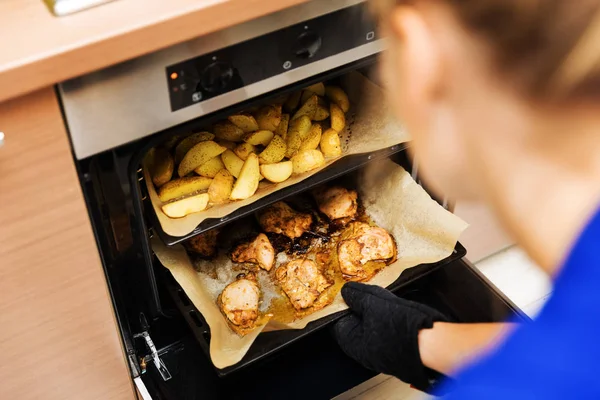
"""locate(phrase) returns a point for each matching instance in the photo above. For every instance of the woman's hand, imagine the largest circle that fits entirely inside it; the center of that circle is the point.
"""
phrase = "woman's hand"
(382, 333)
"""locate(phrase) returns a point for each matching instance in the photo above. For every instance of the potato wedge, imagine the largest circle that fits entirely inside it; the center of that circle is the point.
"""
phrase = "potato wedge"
(274, 152)
(268, 118)
(247, 182)
(245, 122)
(225, 130)
(227, 143)
(297, 132)
(283, 126)
(317, 88)
(292, 101)
(186, 144)
(243, 150)
(338, 96)
(232, 162)
(307, 160)
(259, 138)
(189, 205)
(330, 143)
(210, 168)
(161, 166)
(277, 172)
(171, 142)
(309, 108)
(322, 110)
(338, 119)
(220, 188)
(313, 138)
(182, 187)
(199, 154)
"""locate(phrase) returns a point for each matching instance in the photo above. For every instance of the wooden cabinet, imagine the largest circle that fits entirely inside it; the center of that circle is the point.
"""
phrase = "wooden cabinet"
(58, 335)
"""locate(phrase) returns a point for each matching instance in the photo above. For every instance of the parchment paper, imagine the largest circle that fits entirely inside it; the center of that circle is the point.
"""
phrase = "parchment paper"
(424, 232)
(369, 127)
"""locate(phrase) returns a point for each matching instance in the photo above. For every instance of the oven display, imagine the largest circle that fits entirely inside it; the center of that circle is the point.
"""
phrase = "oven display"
(210, 75)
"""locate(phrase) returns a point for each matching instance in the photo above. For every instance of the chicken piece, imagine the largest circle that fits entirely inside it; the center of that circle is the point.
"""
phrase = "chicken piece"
(302, 282)
(337, 202)
(259, 251)
(362, 243)
(283, 219)
(239, 302)
(204, 244)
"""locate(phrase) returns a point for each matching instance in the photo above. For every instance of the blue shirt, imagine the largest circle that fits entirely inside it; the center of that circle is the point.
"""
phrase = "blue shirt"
(558, 355)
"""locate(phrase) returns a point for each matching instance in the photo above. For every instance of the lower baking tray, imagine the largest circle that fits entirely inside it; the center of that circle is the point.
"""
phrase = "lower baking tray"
(268, 343)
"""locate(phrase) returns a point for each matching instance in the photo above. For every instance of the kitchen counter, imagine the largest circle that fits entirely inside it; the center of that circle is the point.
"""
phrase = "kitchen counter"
(38, 49)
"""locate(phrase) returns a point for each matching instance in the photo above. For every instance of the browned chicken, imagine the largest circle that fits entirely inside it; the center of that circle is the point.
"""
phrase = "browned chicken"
(281, 218)
(239, 302)
(204, 244)
(259, 251)
(337, 202)
(302, 282)
(362, 243)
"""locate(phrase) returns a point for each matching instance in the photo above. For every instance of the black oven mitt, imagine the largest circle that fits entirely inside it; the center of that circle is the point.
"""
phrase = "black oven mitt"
(382, 333)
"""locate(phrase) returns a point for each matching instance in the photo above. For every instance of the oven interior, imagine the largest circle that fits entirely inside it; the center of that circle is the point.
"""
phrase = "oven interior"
(153, 313)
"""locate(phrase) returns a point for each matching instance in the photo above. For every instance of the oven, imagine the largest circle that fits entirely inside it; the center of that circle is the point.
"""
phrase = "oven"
(116, 115)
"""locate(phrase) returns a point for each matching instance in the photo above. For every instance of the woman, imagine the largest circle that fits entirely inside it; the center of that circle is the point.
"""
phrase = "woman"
(502, 98)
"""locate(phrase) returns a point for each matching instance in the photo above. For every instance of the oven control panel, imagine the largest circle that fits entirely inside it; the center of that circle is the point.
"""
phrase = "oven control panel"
(199, 79)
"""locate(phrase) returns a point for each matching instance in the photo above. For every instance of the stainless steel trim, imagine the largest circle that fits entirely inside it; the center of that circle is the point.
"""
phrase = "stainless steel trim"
(129, 101)
(139, 384)
(1, 139)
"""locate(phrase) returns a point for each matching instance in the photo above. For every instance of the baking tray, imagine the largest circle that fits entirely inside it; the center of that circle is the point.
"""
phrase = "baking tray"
(267, 344)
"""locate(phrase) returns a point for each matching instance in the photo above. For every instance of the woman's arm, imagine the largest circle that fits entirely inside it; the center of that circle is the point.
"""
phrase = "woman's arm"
(448, 347)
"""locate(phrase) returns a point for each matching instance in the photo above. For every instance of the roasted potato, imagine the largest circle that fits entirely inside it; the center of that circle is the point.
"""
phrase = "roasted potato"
(338, 119)
(225, 130)
(182, 187)
(338, 96)
(330, 143)
(227, 143)
(245, 122)
(243, 150)
(309, 108)
(189, 205)
(292, 101)
(322, 110)
(277, 172)
(161, 166)
(283, 126)
(259, 138)
(170, 143)
(274, 152)
(297, 132)
(232, 162)
(187, 143)
(210, 168)
(220, 188)
(317, 88)
(247, 182)
(313, 138)
(307, 160)
(199, 154)
(268, 117)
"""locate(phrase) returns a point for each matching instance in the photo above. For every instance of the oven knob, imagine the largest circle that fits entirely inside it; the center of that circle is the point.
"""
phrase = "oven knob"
(216, 77)
(307, 44)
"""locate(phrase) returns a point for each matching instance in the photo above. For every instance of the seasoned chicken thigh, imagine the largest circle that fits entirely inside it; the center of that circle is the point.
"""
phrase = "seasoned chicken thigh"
(259, 251)
(204, 244)
(283, 219)
(239, 302)
(302, 282)
(362, 243)
(337, 202)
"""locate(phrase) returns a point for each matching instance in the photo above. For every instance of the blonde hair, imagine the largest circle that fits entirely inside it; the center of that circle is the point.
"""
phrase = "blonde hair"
(549, 47)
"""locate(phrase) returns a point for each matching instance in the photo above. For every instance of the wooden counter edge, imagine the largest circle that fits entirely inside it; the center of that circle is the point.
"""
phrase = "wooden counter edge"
(120, 43)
